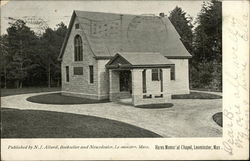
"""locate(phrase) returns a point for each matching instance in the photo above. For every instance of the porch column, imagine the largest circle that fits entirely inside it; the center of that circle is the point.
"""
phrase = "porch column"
(166, 83)
(149, 80)
(114, 85)
(137, 87)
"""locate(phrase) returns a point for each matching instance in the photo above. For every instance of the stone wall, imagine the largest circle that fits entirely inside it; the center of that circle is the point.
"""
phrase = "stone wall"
(114, 87)
(79, 85)
(103, 79)
(181, 83)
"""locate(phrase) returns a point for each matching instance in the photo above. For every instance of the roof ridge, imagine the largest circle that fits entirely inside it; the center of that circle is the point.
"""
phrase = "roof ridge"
(138, 52)
(114, 13)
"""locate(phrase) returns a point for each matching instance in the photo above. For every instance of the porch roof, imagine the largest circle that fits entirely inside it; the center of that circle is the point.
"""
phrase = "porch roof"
(138, 60)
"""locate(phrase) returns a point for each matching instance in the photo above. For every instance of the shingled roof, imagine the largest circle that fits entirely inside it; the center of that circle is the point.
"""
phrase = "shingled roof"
(109, 33)
(138, 59)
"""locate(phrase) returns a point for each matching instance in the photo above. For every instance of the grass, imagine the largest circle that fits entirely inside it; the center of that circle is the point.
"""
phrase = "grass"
(205, 89)
(16, 91)
(45, 124)
(197, 95)
(58, 98)
(155, 106)
(218, 118)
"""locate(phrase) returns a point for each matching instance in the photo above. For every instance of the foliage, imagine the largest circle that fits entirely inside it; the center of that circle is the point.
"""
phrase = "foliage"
(183, 25)
(204, 43)
(206, 64)
(208, 33)
(51, 42)
(28, 59)
(4, 59)
(21, 42)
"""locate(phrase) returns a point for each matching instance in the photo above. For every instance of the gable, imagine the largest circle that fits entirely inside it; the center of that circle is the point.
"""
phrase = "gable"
(73, 32)
(120, 60)
(117, 61)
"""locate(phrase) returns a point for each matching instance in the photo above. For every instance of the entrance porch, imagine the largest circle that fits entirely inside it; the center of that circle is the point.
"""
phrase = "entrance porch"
(142, 89)
(146, 83)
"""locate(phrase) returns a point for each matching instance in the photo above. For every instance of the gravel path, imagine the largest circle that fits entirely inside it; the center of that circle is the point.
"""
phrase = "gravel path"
(187, 118)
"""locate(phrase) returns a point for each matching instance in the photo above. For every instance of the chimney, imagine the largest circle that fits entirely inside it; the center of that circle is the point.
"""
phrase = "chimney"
(162, 14)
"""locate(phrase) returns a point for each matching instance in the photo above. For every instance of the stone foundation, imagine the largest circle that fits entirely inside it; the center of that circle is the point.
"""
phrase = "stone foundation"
(140, 100)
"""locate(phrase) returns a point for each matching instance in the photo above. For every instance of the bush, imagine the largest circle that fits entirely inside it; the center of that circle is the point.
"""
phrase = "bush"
(206, 76)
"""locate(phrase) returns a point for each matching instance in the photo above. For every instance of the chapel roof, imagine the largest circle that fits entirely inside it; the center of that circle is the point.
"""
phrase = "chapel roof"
(109, 33)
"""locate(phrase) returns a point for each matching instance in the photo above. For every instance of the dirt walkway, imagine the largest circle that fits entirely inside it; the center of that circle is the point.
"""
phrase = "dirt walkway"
(187, 118)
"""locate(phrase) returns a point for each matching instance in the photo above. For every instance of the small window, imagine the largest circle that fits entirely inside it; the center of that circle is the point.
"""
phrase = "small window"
(77, 26)
(156, 75)
(67, 73)
(78, 70)
(172, 72)
(91, 74)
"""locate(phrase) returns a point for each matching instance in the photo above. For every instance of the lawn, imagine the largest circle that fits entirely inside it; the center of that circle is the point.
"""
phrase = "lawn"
(58, 98)
(197, 95)
(45, 124)
(218, 118)
(205, 89)
(15, 91)
(156, 106)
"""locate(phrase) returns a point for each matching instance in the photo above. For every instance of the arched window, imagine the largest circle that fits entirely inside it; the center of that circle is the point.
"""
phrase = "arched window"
(78, 48)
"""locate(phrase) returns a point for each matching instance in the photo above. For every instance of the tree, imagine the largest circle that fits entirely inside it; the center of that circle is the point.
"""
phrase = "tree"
(182, 23)
(29, 59)
(21, 41)
(208, 33)
(51, 42)
(206, 64)
(4, 58)
(61, 32)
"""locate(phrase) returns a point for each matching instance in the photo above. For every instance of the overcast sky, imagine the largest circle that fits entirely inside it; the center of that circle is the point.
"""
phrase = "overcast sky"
(54, 12)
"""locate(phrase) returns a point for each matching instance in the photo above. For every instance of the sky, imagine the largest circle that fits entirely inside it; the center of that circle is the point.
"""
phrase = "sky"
(41, 14)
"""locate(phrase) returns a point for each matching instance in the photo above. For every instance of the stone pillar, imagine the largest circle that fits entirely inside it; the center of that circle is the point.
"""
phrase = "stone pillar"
(114, 85)
(166, 83)
(137, 91)
(149, 80)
